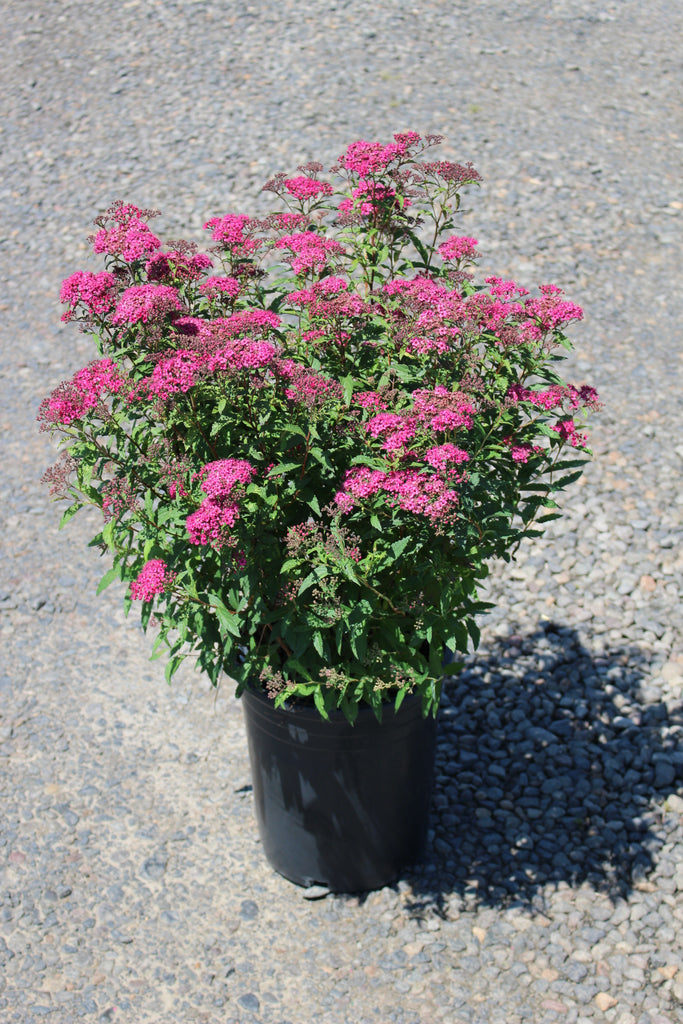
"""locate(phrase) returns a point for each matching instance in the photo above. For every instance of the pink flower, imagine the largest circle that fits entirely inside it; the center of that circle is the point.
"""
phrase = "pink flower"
(244, 320)
(130, 238)
(550, 311)
(370, 196)
(459, 248)
(365, 158)
(230, 232)
(221, 477)
(215, 517)
(398, 430)
(74, 398)
(568, 432)
(505, 289)
(146, 302)
(309, 251)
(212, 522)
(153, 579)
(306, 386)
(444, 454)
(369, 400)
(303, 188)
(228, 286)
(96, 292)
(177, 265)
(176, 373)
(441, 409)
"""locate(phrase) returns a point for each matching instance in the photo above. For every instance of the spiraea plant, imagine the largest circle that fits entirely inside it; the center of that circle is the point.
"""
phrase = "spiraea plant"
(308, 445)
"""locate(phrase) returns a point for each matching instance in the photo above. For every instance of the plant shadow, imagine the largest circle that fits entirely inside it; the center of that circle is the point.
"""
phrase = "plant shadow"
(548, 765)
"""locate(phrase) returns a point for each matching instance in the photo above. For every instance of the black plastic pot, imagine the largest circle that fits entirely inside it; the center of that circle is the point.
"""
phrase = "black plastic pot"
(340, 805)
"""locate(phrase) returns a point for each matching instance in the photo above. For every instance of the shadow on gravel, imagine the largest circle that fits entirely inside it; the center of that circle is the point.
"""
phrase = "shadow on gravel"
(548, 762)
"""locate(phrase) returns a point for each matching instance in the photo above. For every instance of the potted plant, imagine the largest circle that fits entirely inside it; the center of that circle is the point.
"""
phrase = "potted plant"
(306, 447)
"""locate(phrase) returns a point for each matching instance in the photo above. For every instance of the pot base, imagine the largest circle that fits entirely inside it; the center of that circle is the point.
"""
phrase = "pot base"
(339, 805)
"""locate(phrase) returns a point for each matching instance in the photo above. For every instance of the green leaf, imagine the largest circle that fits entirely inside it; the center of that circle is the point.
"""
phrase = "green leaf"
(347, 387)
(399, 546)
(108, 578)
(228, 620)
(69, 514)
(319, 573)
(283, 467)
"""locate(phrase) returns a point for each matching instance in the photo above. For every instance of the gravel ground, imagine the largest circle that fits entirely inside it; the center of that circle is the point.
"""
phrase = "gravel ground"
(133, 886)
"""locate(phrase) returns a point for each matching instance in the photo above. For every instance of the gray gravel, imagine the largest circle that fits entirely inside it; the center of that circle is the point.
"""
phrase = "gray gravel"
(133, 887)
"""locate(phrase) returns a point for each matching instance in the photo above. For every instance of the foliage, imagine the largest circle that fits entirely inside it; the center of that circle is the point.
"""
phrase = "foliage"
(307, 446)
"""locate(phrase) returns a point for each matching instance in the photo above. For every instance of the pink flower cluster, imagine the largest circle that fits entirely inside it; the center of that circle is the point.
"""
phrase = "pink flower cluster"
(227, 286)
(366, 158)
(309, 251)
(232, 232)
(458, 248)
(95, 292)
(183, 369)
(369, 400)
(370, 196)
(218, 513)
(303, 188)
(260, 320)
(74, 398)
(550, 311)
(175, 265)
(410, 489)
(444, 455)
(568, 432)
(153, 579)
(145, 303)
(130, 238)
(557, 395)
(502, 289)
(306, 386)
(439, 410)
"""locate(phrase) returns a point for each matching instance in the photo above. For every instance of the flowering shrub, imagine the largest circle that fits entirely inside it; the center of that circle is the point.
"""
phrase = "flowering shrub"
(308, 445)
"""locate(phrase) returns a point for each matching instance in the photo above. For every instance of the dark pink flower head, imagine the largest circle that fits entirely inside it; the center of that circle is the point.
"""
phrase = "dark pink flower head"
(420, 493)
(443, 410)
(445, 455)
(240, 354)
(568, 432)
(370, 196)
(304, 188)
(228, 287)
(309, 251)
(455, 175)
(369, 400)
(396, 430)
(305, 386)
(502, 289)
(233, 232)
(214, 519)
(459, 247)
(253, 320)
(368, 158)
(130, 237)
(145, 303)
(175, 374)
(406, 140)
(221, 477)
(177, 266)
(74, 398)
(96, 293)
(551, 311)
(153, 579)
